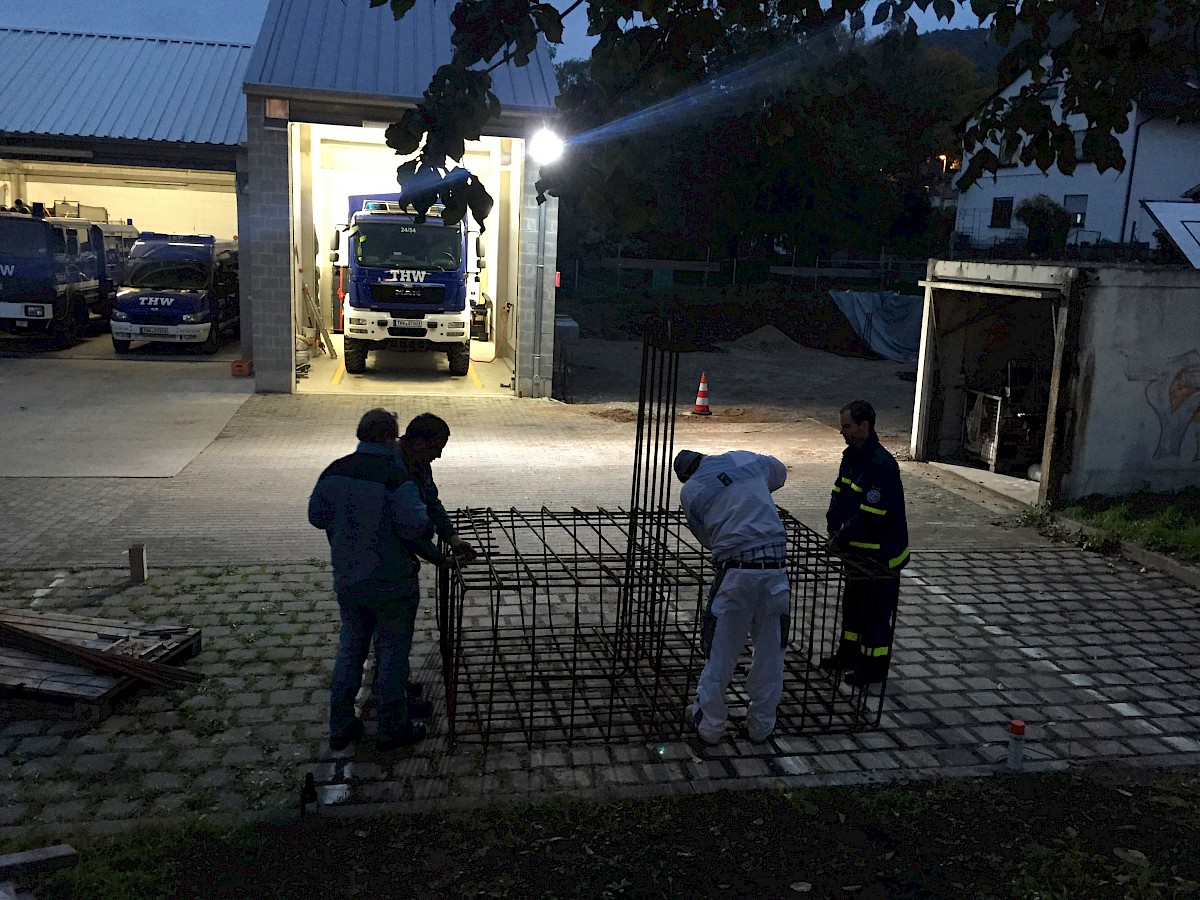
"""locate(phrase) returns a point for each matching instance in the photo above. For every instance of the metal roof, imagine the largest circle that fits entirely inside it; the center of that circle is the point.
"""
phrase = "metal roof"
(336, 47)
(65, 84)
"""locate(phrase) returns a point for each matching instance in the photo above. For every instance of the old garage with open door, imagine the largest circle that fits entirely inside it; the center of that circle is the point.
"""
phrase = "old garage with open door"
(322, 85)
(118, 129)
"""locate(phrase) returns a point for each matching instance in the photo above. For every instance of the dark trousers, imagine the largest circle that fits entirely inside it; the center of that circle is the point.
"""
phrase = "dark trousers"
(868, 611)
(390, 621)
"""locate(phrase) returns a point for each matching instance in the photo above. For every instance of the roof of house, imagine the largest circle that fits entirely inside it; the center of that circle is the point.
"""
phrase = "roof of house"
(349, 48)
(66, 84)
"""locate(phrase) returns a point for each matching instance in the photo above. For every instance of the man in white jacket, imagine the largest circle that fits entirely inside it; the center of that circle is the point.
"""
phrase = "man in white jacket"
(727, 501)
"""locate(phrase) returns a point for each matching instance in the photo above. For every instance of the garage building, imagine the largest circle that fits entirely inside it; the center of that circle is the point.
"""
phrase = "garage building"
(324, 80)
(148, 128)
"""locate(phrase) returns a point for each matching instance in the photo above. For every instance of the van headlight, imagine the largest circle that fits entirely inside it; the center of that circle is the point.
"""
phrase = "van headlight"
(119, 315)
(193, 318)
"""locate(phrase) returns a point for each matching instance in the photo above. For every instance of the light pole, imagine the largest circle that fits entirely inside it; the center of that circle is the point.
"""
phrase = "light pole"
(544, 148)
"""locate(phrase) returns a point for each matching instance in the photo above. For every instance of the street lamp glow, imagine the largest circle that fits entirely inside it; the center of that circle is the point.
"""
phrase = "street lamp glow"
(545, 147)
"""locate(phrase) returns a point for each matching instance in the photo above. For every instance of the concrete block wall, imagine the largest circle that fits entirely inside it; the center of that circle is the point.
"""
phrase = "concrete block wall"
(535, 379)
(265, 240)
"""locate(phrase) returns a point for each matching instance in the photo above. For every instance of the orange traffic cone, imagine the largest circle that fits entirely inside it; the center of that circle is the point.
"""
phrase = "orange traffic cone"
(701, 407)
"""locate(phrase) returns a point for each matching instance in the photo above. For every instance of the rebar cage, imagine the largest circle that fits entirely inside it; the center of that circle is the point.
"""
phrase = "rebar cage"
(551, 639)
(582, 626)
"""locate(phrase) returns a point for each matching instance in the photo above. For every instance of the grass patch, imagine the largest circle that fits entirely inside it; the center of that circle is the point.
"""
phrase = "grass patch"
(1167, 523)
(1102, 832)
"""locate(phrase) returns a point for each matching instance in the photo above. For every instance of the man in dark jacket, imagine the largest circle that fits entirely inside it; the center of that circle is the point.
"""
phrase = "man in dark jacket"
(867, 525)
(377, 523)
(423, 441)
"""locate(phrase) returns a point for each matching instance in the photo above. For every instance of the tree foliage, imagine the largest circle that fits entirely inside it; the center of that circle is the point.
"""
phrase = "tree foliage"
(1104, 55)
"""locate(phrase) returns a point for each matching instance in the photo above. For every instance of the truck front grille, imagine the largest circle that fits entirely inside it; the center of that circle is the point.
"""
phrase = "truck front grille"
(425, 294)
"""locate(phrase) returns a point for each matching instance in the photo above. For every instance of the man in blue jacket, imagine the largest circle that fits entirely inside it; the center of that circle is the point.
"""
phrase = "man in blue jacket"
(867, 525)
(727, 502)
(377, 522)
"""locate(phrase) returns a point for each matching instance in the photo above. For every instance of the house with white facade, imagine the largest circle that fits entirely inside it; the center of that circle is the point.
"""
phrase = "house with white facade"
(1162, 162)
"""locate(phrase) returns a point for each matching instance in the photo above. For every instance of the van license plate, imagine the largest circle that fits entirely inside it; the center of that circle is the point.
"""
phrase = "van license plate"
(153, 329)
(408, 323)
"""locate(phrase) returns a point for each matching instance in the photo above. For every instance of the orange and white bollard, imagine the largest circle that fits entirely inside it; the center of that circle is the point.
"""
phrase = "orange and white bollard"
(701, 407)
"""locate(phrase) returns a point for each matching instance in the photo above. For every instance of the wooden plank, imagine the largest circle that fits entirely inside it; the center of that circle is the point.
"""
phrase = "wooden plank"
(37, 665)
(29, 675)
(94, 623)
(43, 859)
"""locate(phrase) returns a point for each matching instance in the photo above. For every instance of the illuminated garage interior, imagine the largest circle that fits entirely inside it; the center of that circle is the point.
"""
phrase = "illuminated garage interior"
(330, 163)
(323, 81)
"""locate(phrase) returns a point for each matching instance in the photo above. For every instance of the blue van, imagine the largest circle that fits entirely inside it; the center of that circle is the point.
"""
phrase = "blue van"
(177, 288)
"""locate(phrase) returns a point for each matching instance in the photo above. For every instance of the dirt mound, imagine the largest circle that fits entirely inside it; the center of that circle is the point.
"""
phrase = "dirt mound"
(768, 338)
(614, 415)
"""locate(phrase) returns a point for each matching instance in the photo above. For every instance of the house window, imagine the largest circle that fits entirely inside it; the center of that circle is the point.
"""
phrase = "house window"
(1002, 210)
(1076, 207)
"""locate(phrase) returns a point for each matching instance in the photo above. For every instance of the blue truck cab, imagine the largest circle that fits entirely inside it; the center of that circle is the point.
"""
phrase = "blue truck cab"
(411, 287)
(52, 276)
(177, 288)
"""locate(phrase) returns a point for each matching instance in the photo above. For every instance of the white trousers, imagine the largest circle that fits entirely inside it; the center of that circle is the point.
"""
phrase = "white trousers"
(750, 602)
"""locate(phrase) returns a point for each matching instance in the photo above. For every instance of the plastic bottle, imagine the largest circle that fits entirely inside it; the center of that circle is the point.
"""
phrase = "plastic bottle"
(1016, 745)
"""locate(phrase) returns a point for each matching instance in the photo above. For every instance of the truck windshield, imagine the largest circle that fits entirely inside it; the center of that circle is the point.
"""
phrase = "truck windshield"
(23, 239)
(184, 267)
(434, 248)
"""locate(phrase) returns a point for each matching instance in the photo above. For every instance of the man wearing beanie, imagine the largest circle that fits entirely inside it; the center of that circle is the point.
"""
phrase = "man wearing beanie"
(377, 523)
(727, 502)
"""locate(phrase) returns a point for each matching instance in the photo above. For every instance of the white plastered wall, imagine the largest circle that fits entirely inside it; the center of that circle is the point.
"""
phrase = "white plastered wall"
(1136, 400)
(178, 201)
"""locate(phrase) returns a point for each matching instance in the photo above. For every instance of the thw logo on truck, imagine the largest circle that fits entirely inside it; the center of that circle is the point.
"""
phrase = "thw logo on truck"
(8, 270)
(157, 301)
(407, 275)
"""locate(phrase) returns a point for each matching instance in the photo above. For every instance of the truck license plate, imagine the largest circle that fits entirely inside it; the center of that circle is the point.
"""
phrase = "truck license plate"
(408, 323)
(153, 329)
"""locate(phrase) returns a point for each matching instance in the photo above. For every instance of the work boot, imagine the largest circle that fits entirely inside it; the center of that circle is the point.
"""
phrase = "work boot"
(839, 662)
(696, 716)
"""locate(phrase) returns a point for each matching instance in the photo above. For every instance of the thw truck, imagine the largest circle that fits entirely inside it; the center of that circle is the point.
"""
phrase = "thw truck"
(411, 287)
(52, 276)
(177, 288)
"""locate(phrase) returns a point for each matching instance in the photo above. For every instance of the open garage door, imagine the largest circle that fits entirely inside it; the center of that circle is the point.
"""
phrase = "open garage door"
(330, 165)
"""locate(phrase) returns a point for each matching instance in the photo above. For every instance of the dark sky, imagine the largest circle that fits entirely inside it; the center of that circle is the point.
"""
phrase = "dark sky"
(237, 21)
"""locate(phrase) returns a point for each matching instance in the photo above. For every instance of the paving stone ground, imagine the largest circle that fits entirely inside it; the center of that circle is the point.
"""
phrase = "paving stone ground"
(1097, 655)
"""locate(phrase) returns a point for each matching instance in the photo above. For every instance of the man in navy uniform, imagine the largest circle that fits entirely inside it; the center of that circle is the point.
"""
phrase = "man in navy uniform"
(867, 525)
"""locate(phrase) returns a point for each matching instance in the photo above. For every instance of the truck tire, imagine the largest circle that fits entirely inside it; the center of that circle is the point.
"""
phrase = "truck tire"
(355, 352)
(69, 330)
(120, 346)
(212, 343)
(459, 356)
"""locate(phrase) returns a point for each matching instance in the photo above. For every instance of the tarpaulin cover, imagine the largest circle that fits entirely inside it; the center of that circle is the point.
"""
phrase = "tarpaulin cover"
(889, 322)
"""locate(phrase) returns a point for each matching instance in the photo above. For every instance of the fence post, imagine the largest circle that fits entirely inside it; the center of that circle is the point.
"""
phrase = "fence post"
(576, 277)
(816, 265)
(618, 267)
(792, 277)
(707, 260)
(735, 270)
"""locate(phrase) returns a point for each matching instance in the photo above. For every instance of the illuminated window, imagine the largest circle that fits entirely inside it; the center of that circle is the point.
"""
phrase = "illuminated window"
(1076, 207)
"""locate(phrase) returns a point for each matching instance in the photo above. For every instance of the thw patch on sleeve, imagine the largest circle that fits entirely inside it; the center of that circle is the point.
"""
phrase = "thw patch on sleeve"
(873, 495)
(725, 479)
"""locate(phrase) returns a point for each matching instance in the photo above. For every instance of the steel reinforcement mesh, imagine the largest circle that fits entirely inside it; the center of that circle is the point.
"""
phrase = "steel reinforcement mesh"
(583, 626)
